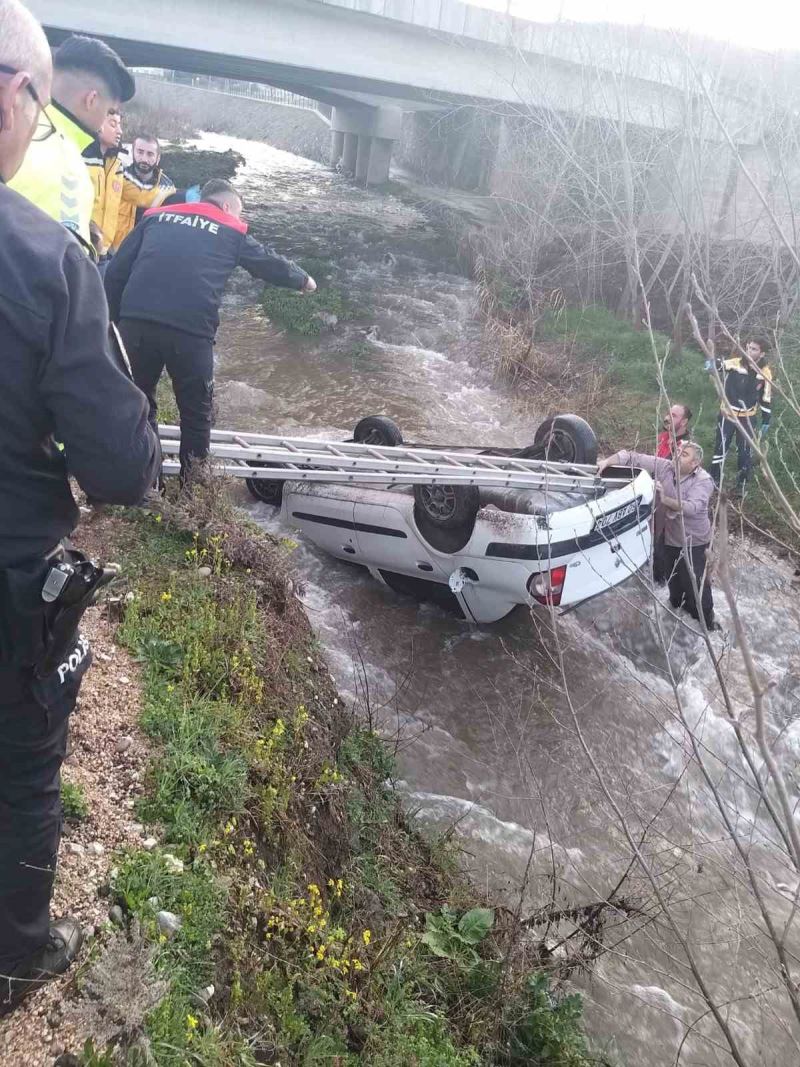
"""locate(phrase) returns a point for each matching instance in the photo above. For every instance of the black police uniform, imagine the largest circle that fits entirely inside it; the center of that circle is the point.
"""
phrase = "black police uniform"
(58, 382)
(165, 287)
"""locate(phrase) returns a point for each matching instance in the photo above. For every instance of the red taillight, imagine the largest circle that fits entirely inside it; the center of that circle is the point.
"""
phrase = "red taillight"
(547, 587)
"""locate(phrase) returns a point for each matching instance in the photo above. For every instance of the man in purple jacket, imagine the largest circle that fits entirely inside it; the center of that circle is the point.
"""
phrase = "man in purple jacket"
(684, 490)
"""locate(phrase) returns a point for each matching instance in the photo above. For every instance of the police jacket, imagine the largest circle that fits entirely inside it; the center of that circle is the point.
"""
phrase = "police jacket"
(105, 171)
(53, 174)
(137, 197)
(174, 266)
(59, 382)
(746, 389)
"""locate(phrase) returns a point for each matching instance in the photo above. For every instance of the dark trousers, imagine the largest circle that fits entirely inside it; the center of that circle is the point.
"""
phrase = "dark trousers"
(190, 364)
(681, 592)
(660, 569)
(33, 742)
(727, 430)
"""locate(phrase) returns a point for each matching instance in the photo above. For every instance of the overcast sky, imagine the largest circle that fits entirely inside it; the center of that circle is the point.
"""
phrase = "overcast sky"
(767, 24)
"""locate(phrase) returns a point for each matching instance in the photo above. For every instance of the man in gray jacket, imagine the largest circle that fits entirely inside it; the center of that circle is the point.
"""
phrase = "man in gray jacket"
(684, 491)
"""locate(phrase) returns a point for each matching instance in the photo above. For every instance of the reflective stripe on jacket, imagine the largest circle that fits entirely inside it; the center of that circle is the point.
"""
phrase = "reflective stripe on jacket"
(746, 389)
(174, 267)
(105, 172)
(137, 197)
(53, 175)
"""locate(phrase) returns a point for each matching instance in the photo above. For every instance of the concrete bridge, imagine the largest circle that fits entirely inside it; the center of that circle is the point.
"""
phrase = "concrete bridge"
(373, 60)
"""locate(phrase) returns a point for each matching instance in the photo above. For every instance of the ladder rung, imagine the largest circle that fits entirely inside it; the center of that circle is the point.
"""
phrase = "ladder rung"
(312, 460)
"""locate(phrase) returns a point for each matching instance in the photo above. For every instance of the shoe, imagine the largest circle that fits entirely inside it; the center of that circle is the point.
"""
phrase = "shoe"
(63, 945)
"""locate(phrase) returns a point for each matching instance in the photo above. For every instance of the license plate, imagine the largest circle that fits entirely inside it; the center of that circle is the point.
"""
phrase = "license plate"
(616, 516)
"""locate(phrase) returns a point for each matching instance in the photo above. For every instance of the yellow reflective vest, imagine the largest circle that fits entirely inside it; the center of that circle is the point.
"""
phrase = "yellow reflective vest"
(137, 197)
(106, 174)
(53, 175)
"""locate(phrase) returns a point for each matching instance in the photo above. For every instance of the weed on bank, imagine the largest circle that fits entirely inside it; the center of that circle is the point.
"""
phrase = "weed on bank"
(635, 404)
(306, 920)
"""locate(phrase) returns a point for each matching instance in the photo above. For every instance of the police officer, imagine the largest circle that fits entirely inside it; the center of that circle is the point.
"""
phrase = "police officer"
(165, 287)
(58, 381)
(89, 81)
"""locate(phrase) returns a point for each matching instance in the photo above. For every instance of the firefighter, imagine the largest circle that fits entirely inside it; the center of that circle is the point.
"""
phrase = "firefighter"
(164, 288)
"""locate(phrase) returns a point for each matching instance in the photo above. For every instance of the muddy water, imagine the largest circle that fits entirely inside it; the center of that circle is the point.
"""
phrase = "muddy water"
(540, 744)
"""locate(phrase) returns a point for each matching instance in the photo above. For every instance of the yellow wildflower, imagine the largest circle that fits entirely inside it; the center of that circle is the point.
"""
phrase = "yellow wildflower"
(367, 936)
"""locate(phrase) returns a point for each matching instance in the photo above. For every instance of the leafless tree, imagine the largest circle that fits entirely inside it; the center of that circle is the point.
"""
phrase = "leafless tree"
(683, 222)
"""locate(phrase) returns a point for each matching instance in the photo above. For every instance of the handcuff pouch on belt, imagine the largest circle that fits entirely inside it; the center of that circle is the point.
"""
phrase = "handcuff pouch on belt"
(41, 606)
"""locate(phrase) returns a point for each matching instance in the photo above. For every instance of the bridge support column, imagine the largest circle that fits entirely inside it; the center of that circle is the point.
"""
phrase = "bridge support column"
(349, 152)
(337, 147)
(380, 157)
(362, 159)
(369, 137)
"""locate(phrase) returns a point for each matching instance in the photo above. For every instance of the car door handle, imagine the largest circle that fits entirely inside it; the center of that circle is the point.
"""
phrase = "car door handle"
(349, 550)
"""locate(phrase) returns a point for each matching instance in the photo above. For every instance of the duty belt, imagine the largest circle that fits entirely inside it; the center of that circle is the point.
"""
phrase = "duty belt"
(42, 604)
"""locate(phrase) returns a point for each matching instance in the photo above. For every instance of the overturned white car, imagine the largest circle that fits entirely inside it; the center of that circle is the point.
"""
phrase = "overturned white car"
(569, 537)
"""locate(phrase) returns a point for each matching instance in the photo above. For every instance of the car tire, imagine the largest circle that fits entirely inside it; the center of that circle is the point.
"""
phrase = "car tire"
(449, 507)
(563, 439)
(378, 430)
(267, 490)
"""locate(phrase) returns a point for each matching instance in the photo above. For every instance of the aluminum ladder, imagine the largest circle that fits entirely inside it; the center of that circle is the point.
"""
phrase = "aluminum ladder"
(348, 462)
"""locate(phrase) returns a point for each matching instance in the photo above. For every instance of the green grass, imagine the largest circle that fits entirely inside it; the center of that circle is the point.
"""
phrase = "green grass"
(633, 407)
(332, 930)
(73, 802)
(167, 404)
(320, 269)
(308, 313)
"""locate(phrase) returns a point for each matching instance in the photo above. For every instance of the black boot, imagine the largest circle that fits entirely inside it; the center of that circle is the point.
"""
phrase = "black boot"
(54, 959)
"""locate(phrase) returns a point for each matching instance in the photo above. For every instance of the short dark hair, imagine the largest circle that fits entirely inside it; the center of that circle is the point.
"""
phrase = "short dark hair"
(759, 340)
(91, 56)
(147, 137)
(217, 187)
(687, 412)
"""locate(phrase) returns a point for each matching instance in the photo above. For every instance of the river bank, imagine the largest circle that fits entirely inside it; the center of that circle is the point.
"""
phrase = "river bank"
(527, 742)
(259, 896)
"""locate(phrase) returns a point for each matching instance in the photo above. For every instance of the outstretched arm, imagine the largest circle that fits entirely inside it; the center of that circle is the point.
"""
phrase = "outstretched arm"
(652, 464)
(266, 264)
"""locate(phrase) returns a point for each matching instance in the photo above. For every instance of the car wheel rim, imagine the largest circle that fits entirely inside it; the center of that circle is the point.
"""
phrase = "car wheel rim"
(439, 501)
(268, 494)
(560, 447)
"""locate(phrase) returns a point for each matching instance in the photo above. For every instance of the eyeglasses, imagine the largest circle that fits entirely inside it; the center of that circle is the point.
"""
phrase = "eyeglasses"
(44, 126)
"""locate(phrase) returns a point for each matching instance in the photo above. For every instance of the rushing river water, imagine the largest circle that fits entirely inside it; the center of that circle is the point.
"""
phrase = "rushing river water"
(535, 742)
